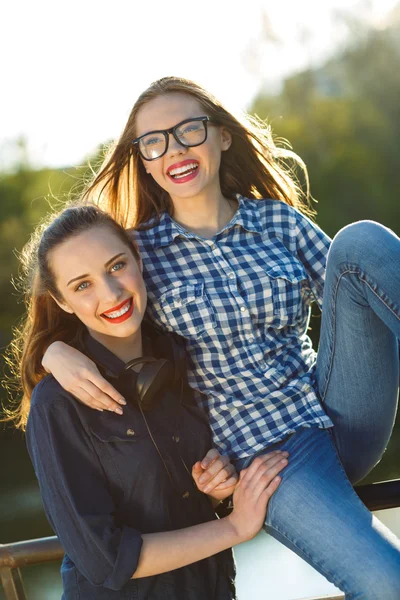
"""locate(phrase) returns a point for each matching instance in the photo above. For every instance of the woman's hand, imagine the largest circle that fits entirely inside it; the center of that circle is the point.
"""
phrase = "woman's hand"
(215, 475)
(256, 485)
(79, 375)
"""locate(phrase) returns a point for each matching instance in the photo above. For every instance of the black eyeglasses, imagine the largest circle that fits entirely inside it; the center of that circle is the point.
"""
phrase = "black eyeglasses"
(188, 133)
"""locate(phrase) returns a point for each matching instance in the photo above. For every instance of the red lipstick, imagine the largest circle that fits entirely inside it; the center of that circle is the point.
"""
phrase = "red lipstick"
(185, 170)
(123, 317)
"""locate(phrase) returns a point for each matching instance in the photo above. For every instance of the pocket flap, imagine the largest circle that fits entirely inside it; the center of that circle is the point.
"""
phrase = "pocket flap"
(182, 294)
(110, 427)
(290, 271)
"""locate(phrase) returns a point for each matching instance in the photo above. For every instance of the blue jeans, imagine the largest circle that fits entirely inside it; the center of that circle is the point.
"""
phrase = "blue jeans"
(315, 511)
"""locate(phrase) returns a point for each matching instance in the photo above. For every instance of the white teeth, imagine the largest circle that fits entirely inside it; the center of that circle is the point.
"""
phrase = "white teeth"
(179, 170)
(120, 312)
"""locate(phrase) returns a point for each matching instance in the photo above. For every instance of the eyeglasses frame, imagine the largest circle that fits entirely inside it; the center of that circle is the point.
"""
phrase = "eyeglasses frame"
(172, 130)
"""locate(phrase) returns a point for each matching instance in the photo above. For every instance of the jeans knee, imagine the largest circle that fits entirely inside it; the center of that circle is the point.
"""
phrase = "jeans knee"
(363, 242)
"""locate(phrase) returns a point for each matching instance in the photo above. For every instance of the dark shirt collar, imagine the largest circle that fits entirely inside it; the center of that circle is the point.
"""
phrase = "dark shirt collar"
(101, 355)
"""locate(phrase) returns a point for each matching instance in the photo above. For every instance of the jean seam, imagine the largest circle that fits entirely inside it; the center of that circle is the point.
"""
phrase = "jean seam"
(358, 272)
(363, 278)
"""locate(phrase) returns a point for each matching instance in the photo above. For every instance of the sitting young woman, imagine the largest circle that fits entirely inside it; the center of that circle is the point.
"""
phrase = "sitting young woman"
(120, 492)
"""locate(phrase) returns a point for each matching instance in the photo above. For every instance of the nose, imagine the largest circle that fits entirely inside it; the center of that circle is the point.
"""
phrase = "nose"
(110, 293)
(174, 147)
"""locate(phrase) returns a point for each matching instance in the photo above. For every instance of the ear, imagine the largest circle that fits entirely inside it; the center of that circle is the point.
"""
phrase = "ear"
(226, 139)
(63, 305)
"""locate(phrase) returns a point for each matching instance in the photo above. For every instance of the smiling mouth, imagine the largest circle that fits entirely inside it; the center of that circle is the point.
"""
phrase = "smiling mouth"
(184, 171)
(122, 312)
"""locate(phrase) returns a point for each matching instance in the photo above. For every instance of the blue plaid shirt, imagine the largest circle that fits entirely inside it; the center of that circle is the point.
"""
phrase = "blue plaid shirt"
(241, 301)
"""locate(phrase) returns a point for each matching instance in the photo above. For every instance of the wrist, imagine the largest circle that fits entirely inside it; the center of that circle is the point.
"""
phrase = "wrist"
(50, 351)
(235, 530)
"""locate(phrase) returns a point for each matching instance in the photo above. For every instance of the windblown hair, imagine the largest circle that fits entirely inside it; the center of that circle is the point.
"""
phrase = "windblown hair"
(45, 322)
(253, 166)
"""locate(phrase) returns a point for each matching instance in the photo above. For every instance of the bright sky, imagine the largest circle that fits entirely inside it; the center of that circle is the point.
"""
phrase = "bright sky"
(70, 71)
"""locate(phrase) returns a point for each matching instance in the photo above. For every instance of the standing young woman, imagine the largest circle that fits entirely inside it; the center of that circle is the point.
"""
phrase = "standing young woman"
(119, 491)
(232, 266)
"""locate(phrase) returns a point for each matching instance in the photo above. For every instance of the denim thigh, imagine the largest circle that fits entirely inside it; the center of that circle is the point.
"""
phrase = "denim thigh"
(357, 371)
(316, 513)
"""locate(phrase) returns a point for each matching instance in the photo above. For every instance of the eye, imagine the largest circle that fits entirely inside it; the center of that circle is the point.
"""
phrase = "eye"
(118, 266)
(82, 286)
(152, 140)
(192, 127)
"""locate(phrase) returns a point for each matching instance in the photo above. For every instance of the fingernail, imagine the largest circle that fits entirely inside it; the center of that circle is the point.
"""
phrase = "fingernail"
(206, 489)
(283, 460)
(122, 401)
(285, 453)
(119, 411)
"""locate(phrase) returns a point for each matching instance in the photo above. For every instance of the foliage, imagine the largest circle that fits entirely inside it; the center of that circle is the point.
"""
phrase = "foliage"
(344, 121)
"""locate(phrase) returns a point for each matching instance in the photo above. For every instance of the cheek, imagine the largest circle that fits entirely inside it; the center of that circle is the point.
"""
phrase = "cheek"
(156, 172)
(86, 307)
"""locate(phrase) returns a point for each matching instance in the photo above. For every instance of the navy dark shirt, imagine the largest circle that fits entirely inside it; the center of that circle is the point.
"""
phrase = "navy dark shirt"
(103, 485)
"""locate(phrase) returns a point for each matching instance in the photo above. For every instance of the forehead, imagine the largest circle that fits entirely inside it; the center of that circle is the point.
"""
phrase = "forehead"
(84, 253)
(166, 111)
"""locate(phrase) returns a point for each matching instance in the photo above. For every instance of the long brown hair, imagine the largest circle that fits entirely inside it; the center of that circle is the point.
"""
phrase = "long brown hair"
(45, 322)
(253, 166)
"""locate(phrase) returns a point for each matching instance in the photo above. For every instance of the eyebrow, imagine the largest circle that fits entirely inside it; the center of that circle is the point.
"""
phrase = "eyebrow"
(105, 265)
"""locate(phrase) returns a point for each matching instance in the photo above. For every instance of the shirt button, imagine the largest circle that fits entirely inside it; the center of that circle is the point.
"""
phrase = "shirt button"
(176, 438)
(251, 339)
(185, 495)
(231, 275)
(130, 432)
(242, 308)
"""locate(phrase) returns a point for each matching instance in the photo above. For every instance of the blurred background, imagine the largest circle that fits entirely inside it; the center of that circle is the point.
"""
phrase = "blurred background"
(327, 78)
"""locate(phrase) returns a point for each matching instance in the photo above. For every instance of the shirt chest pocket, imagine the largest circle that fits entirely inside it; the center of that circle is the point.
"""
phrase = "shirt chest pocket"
(124, 447)
(289, 285)
(186, 310)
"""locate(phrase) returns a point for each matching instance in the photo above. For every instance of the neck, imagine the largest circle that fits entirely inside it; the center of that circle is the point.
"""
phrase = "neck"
(124, 348)
(205, 214)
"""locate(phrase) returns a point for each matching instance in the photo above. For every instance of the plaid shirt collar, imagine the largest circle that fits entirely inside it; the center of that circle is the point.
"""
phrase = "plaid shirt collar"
(247, 216)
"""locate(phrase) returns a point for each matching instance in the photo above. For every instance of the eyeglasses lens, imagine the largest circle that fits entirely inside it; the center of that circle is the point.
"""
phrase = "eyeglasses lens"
(191, 133)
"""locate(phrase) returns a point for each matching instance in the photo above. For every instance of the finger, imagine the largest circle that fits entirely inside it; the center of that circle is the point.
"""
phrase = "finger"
(83, 396)
(266, 495)
(220, 478)
(258, 462)
(93, 397)
(264, 470)
(231, 482)
(214, 469)
(106, 388)
(268, 476)
(197, 470)
(103, 399)
(209, 458)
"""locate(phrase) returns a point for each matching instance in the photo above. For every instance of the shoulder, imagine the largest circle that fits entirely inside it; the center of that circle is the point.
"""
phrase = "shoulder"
(271, 211)
(276, 215)
(49, 397)
(272, 218)
(46, 390)
(277, 210)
